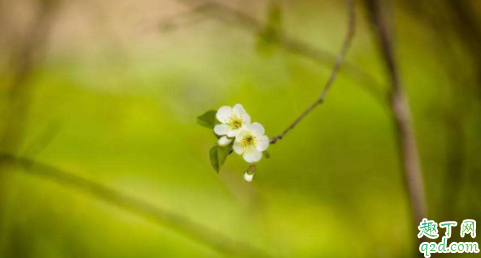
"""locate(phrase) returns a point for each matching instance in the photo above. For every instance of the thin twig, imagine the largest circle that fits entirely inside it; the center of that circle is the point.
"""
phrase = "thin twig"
(187, 227)
(408, 149)
(289, 43)
(340, 59)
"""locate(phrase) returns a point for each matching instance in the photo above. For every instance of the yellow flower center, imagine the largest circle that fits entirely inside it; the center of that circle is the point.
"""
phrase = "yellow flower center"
(235, 122)
(248, 140)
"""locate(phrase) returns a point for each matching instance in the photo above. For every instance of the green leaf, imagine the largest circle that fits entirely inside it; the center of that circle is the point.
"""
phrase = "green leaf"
(222, 153)
(214, 161)
(218, 156)
(207, 119)
(266, 154)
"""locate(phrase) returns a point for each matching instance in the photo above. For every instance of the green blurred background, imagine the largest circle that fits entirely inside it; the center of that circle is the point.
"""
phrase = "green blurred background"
(110, 91)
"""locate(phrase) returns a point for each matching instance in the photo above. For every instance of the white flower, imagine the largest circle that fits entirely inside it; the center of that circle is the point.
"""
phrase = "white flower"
(233, 120)
(251, 142)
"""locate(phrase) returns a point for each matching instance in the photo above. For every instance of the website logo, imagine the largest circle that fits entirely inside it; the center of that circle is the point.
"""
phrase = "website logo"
(429, 228)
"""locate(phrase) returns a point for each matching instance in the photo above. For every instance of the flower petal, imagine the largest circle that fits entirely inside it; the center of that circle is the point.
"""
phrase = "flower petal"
(238, 148)
(239, 110)
(241, 134)
(233, 133)
(262, 142)
(257, 129)
(224, 141)
(223, 114)
(246, 119)
(221, 129)
(252, 155)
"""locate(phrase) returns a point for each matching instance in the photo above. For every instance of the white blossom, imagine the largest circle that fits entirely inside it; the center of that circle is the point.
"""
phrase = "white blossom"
(251, 142)
(232, 121)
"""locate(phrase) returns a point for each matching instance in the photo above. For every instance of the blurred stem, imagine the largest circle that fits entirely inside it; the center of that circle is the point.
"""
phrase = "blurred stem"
(465, 23)
(407, 143)
(340, 59)
(469, 30)
(194, 231)
(444, 21)
(25, 54)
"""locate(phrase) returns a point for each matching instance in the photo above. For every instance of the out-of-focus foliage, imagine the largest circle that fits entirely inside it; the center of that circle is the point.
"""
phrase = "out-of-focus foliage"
(109, 98)
(269, 38)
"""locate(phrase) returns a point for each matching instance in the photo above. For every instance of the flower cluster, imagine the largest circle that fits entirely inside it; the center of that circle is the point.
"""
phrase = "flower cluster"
(235, 133)
(249, 139)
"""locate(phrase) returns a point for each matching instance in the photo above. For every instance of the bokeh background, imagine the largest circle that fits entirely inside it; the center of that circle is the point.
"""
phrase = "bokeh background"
(109, 91)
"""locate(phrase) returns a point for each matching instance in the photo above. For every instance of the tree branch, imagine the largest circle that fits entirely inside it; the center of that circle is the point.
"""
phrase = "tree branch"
(192, 230)
(408, 149)
(339, 61)
(25, 55)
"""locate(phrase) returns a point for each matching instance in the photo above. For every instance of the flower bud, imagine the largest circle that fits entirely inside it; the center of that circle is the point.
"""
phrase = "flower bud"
(249, 173)
(248, 177)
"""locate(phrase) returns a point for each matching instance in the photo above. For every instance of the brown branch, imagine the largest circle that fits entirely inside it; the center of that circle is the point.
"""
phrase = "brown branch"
(25, 54)
(443, 23)
(25, 57)
(340, 59)
(408, 149)
(161, 217)
(288, 43)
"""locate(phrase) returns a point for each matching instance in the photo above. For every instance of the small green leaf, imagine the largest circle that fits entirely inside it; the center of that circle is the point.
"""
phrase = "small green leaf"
(207, 119)
(266, 154)
(214, 161)
(222, 153)
(218, 155)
